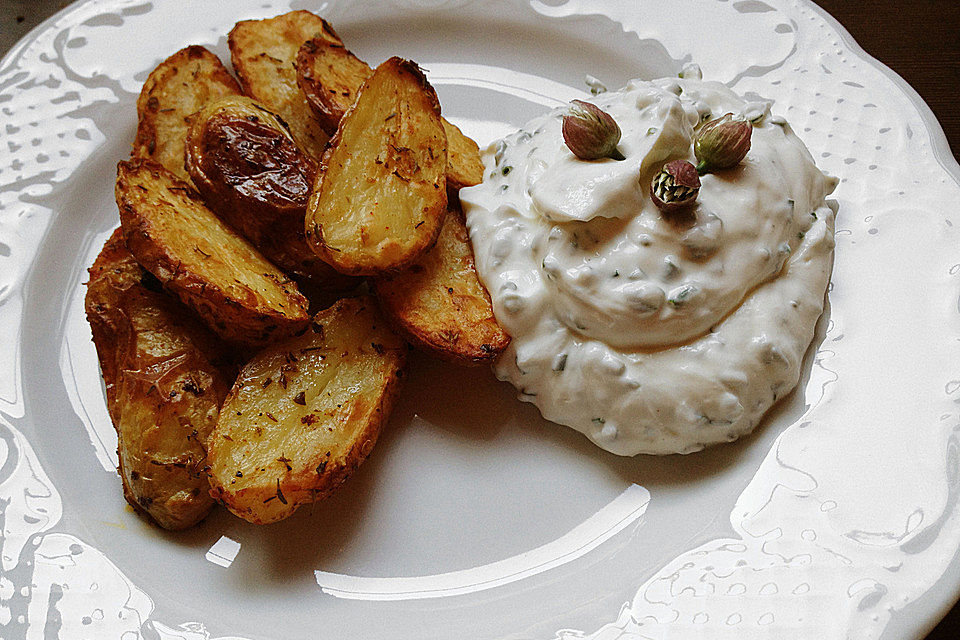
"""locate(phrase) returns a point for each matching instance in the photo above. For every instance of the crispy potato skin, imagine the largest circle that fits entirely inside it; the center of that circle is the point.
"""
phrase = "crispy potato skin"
(305, 412)
(179, 87)
(464, 166)
(166, 377)
(253, 175)
(263, 54)
(330, 77)
(439, 302)
(244, 161)
(235, 290)
(380, 196)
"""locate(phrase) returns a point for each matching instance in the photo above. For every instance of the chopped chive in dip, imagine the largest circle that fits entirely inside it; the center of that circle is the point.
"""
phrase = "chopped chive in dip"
(682, 295)
(560, 362)
(615, 293)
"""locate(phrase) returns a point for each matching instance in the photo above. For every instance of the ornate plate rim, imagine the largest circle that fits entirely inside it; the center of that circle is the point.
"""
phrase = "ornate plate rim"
(938, 599)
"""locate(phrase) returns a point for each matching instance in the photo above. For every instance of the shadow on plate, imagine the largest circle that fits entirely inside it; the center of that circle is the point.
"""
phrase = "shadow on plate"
(472, 410)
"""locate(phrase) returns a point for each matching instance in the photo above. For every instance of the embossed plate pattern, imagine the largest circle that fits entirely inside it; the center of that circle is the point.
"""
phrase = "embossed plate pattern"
(474, 518)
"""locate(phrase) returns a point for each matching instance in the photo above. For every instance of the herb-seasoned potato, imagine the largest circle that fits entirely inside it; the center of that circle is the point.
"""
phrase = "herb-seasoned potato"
(305, 413)
(330, 77)
(440, 303)
(252, 174)
(166, 378)
(380, 196)
(464, 166)
(242, 297)
(263, 53)
(179, 87)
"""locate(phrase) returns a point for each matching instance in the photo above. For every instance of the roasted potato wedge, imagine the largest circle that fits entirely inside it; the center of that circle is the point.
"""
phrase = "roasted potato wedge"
(179, 87)
(263, 54)
(380, 196)
(166, 376)
(305, 412)
(330, 77)
(464, 166)
(440, 303)
(242, 297)
(254, 176)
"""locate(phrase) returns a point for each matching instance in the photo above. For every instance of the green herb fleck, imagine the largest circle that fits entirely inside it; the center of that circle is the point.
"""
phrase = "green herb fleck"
(560, 363)
(683, 295)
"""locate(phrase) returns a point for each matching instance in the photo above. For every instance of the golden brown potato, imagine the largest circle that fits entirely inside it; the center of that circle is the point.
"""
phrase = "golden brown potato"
(330, 77)
(440, 303)
(380, 196)
(179, 87)
(263, 54)
(166, 377)
(251, 173)
(305, 413)
(464, 166)
(242, 297)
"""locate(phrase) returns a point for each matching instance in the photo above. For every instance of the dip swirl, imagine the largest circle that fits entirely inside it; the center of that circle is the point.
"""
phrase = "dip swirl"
(653, 333)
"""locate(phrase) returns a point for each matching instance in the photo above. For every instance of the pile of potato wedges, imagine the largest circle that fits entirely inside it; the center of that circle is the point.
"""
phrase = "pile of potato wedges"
(284, 234)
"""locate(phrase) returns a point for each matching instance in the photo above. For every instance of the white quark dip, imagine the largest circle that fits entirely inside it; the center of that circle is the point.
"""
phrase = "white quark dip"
(653, 333)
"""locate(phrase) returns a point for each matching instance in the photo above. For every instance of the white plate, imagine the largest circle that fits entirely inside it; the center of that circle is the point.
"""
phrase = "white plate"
(473, 518)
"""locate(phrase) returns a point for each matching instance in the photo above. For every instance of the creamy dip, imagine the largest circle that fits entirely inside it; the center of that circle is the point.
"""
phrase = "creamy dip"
(653, 333)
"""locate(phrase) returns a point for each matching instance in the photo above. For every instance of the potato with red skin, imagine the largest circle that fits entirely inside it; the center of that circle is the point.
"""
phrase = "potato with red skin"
(380, 196)
(253, 175)
(305, 413)
(245, 299)
(263, 54)
(179, 87)
(166, 376)
(330, 77)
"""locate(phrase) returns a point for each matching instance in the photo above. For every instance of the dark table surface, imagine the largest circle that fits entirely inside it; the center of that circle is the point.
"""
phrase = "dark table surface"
(919, 39)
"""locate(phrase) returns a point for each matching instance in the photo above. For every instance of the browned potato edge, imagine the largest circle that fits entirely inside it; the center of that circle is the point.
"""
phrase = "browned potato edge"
(228, 318)
(314, 231)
